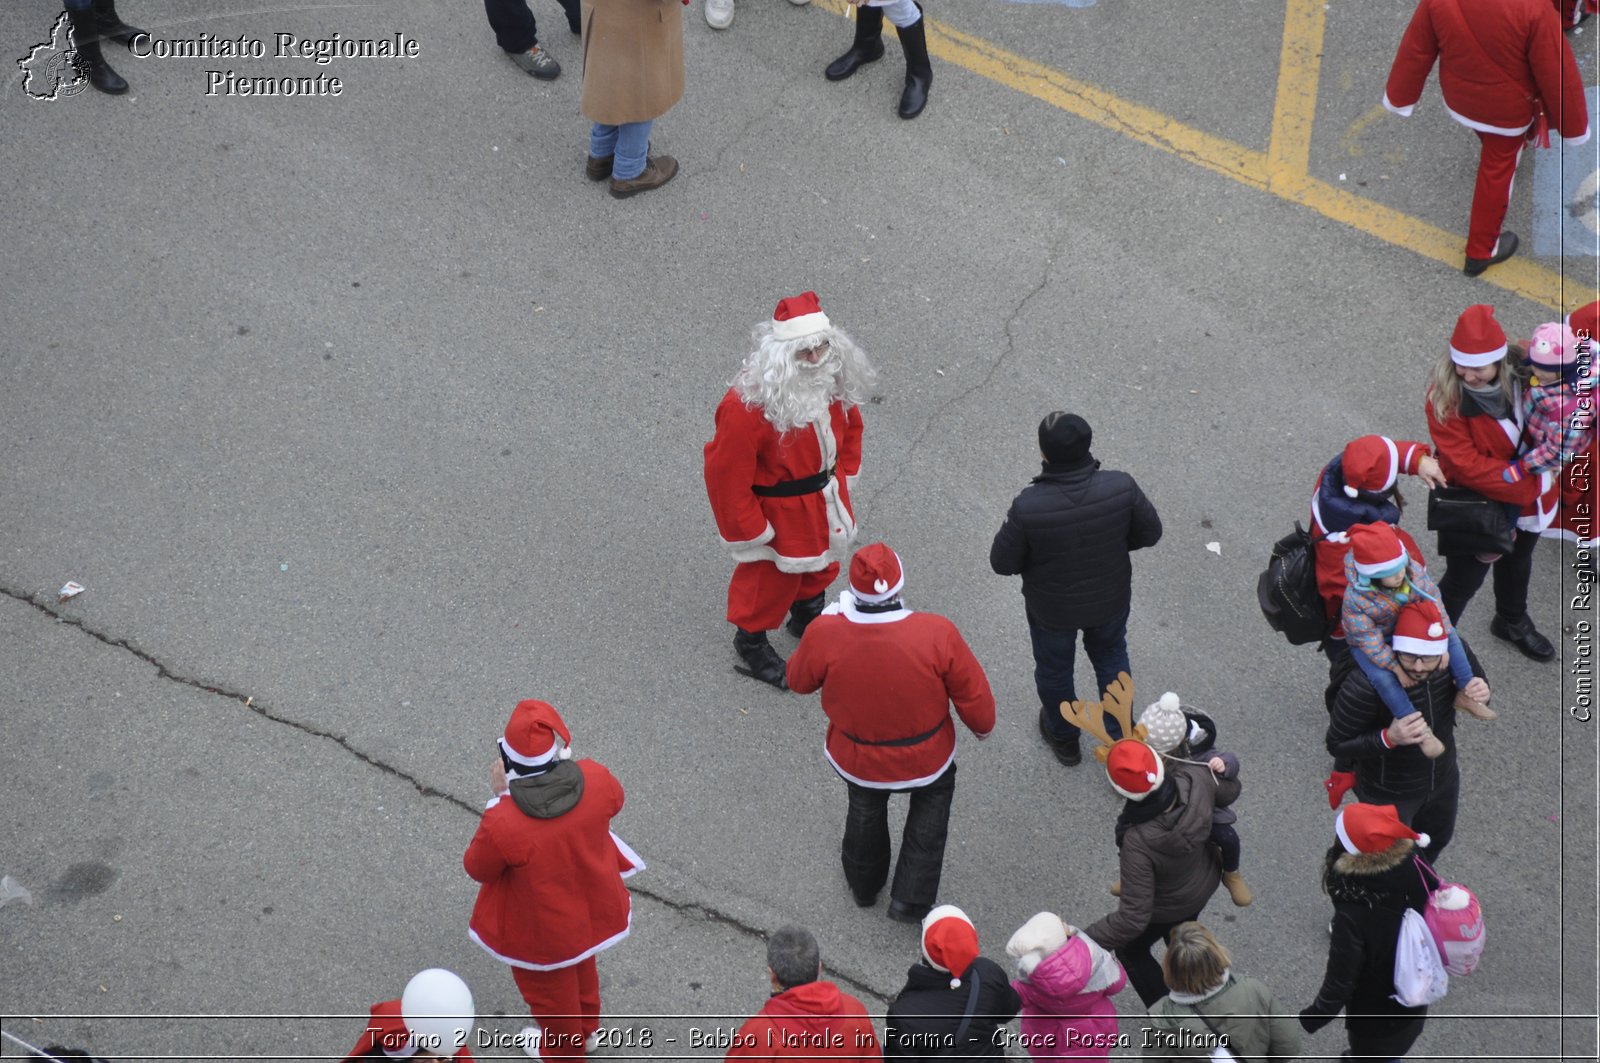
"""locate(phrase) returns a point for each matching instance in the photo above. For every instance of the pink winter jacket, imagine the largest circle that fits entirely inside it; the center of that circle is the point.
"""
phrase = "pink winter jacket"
(1061, 1017)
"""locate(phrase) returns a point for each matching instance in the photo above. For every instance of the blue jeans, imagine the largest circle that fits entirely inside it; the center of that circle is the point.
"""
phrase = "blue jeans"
(1054, 655)
(629, 142)
(1394, 695)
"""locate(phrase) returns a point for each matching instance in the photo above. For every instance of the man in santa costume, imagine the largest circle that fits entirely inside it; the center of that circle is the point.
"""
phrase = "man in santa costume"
(888, 676)
(1507, 74)
(433, 1019)
(551, 871)
(779, 470)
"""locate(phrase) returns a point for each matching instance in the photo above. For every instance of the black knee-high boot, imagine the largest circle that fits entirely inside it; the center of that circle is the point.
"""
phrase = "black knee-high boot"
(866, 48)
(919, 69)
(110, 26)
(86, 40)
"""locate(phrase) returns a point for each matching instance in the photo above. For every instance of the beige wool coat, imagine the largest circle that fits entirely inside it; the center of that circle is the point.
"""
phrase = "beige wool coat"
(632, 59)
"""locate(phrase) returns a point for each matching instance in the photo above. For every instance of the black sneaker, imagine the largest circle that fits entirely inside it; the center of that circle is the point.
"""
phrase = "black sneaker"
(1065, 749)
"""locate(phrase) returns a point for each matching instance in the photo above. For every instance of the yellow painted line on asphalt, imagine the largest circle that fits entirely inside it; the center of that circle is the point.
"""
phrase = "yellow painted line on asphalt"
(1282, 170)
(1299, 66)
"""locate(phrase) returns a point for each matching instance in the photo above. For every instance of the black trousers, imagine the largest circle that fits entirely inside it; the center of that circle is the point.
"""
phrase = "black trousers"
(512, 22)
(1463, 576)
(1144, 970)
(865, 852)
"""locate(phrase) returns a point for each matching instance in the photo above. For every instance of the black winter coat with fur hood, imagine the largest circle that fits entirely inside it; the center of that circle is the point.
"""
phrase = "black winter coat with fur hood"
(1370, 893)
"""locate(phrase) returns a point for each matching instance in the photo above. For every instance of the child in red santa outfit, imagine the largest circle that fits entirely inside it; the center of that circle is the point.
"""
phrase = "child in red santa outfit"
(1383, 577)
(552, 896)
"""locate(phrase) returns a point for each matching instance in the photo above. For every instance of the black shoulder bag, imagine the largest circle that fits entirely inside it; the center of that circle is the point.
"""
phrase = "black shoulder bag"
(1470, 522)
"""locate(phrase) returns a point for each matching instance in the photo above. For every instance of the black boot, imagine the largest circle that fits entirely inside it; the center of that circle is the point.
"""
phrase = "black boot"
(866, 48)
(110, 26)
(86, 41)
(761, 661)
(919, 70)
(801, 614)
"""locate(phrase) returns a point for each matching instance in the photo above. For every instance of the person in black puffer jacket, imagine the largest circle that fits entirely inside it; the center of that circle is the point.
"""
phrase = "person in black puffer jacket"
(1372, 879)
(1386, 755)
(1068, 535)
(951, 991)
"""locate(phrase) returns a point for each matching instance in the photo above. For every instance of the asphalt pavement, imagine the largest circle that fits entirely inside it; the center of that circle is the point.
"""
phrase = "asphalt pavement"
(361, 418)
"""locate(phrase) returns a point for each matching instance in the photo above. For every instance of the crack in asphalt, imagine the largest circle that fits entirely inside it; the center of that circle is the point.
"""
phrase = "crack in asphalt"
(705, 911)
(915, 446)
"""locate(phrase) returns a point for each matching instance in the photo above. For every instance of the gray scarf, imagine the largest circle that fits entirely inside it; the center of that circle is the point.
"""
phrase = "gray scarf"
(1491, 399)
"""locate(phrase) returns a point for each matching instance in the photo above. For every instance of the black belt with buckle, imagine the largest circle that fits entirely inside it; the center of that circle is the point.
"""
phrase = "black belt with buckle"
(793, 488)
(913, 740)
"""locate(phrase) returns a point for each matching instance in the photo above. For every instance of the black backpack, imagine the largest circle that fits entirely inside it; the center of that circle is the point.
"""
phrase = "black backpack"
(1288, 593)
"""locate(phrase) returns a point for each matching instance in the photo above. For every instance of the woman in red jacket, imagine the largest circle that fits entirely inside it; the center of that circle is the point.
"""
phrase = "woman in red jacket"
(1474, 418)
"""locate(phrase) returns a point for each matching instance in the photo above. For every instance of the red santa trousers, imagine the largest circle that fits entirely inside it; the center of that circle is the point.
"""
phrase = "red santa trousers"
(759, 595)
(1497, 166)
(566, 1003)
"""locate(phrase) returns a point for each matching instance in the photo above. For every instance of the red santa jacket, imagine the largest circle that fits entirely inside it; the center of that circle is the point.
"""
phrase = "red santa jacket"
(1497, 60)
(813, 1021)
(1473, 451)
(1333, 581)
(552, 892)
(386, 1037)
(887, 682)
(799, 533)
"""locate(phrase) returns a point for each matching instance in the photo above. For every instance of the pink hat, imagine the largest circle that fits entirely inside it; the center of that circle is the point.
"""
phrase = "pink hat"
(536, 735)
(1552, 347)
(876, 574)
(1135, 770)
(1478, 339)
(1371, 463)
(1419, 630)
(1377, 550)
(1372, 828)
(798, 316)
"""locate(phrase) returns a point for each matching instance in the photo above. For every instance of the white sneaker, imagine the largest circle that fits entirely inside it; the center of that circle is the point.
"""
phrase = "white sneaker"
(529, 1037)
(719, 14)
(592, 1042)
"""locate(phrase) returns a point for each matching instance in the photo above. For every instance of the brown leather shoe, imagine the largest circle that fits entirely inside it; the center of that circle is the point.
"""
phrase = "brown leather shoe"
(657, 172)
(598, 169)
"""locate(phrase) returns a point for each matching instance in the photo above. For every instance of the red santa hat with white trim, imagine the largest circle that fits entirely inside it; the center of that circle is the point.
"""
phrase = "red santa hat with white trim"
(1370, 463)
(799, 316)
(1366, 828)
(949, 941)
(1419, 630)
(1478, 339)
(1135, 770)
(876, 574)
(1377, 550)
(535, 737)
(1585, 321)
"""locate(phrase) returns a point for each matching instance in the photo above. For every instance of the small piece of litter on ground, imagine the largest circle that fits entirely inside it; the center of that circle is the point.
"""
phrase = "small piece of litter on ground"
(938, 372)
(284, 567)
(1553, 818)
(1215, 548)
(1061, 160)
(1341, 177)
(744, 712)
(248, 702)
(117, 918)
(12, 890)
(69, 589)
(704, 215)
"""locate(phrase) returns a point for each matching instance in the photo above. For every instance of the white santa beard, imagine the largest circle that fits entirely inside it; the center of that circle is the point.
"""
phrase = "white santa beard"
(804, 398)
